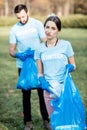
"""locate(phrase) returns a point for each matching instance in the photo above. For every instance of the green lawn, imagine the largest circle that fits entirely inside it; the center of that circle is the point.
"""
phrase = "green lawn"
(10, 98)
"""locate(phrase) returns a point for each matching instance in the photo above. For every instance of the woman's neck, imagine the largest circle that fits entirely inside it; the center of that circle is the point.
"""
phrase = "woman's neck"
(51, 43)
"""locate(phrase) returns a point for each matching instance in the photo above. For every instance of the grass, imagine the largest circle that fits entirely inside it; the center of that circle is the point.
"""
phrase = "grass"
(10, 98)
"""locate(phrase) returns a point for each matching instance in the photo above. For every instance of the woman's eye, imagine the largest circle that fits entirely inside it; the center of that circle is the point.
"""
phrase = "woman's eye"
(47, 26)
(53, 28)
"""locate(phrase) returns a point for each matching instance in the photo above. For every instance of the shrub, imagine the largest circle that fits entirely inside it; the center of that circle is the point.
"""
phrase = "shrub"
(71, 21)
(2, 127)
(74, 21)
(7, 21)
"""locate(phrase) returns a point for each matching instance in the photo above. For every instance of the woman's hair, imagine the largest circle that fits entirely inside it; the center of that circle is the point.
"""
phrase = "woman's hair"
(54, 19)
(20, 7)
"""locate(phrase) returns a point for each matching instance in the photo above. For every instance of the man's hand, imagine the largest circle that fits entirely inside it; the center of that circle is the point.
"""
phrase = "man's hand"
(23, 55)
(29, 53)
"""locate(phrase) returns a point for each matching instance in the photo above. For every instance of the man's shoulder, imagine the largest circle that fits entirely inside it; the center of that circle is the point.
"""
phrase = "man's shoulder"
(14, 26)
(35, 20)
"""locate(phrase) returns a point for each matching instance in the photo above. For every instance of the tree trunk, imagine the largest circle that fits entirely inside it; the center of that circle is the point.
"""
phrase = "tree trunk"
(6, 7)
(67, 7)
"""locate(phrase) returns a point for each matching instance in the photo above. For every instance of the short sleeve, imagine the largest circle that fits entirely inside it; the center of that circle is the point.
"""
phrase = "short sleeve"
(41, 30)
(12, 37)
(37, 55)
(70, 51)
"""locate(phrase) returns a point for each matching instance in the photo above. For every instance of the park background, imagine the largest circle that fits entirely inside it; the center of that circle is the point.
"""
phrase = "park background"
(73, 14)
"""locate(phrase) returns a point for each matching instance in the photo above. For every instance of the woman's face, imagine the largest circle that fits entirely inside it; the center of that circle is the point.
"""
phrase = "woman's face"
(51, 30)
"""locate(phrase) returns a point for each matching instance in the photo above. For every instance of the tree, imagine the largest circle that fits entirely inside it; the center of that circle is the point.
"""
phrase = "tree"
(80, 7)
(6, 5)
(65, 7)
(1, 8)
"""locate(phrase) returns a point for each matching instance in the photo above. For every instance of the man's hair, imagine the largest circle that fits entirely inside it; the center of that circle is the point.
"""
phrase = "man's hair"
(20, 7)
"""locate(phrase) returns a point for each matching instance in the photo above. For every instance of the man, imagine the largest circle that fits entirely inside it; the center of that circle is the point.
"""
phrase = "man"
(27, 33)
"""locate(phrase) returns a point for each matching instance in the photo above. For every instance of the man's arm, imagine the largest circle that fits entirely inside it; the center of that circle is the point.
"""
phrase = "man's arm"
(12, 50)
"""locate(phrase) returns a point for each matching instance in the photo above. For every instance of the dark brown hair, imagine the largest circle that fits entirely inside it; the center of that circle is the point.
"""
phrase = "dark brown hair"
(20, 7)
(56, 20)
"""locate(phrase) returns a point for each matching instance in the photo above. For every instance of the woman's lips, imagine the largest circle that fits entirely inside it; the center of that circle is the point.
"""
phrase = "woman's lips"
(48, 34)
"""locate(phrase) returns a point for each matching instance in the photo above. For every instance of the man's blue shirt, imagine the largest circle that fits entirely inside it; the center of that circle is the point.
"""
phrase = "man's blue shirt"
(26, 36)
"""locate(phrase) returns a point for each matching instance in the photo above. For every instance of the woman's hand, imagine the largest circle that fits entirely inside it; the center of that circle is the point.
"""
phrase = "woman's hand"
(70, 67)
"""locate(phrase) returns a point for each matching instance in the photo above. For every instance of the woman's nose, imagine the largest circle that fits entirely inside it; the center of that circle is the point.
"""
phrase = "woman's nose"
(49, 30)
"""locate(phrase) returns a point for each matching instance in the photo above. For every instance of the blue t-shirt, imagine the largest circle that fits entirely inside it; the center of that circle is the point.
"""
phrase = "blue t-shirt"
(54, 59)
(26, 36)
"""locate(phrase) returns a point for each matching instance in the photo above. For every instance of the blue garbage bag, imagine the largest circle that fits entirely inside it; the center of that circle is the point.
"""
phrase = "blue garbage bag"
(23, 55)
(69, 112)
(28, 78)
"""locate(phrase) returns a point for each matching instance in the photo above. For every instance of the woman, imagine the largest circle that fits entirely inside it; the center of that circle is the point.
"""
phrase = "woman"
(52, 59)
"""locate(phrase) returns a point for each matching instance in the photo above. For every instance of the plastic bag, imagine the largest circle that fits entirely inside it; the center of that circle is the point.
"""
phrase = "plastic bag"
(28, 78)
(69, 112)
(53, 86)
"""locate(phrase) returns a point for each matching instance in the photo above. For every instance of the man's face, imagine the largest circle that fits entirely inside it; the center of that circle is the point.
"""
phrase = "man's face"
(22, 17)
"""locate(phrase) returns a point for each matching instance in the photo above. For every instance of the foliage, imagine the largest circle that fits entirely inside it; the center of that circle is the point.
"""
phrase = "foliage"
(80, 6)
(2, 127)
(11, 98)
(71, 21)
(45, 6)
(7, 21)
(75, 21)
